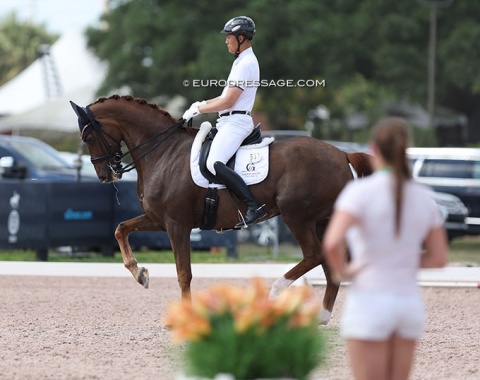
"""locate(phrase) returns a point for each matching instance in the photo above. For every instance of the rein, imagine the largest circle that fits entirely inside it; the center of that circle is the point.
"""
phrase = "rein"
(168, 132)
(116, 165)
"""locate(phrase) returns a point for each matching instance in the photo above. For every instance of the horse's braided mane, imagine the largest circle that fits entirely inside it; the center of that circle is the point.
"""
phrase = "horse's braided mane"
(141, 101)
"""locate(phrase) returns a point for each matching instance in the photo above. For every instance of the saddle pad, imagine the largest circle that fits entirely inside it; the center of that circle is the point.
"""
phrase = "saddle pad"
(251, 160)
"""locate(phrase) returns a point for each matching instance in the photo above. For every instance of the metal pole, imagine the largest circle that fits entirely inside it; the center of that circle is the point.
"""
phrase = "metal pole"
(275, 238)
(431, 65)
(433, 4)
(231, 244)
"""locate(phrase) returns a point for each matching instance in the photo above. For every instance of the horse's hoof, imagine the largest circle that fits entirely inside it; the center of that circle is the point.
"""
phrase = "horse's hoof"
(143, 277)
(324, 317)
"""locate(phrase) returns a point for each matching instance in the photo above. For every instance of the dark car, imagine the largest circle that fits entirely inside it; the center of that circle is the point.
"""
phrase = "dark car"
(454, 214)
(29, 159)
(47, 203)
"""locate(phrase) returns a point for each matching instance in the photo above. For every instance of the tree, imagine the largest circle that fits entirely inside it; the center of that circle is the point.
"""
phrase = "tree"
(369, 46)
(152, 46)
(458, 71)
(19, 43)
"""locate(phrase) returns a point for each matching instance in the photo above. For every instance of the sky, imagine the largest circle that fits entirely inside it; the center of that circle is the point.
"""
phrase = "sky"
(58, 16)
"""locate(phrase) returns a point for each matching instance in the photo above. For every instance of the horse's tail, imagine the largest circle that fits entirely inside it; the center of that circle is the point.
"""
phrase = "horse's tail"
(360, 163)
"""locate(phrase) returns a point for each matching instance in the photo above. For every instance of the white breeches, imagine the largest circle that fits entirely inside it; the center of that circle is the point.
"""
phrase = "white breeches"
(232, 130)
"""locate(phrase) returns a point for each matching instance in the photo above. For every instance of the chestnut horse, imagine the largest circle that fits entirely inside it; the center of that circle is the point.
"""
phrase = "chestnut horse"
(304, 179)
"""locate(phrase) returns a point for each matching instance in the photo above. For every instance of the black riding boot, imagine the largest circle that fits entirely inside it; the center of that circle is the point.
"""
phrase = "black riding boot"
(236, 184)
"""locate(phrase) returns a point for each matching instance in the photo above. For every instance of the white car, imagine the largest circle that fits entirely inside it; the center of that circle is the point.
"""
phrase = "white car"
(454, 171)
(87, 166)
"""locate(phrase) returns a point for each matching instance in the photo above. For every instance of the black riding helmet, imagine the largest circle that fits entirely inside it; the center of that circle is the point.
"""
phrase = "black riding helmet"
(240, 26)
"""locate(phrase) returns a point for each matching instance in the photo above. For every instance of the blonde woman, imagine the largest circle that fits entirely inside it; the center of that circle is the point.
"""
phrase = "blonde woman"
(393, 228)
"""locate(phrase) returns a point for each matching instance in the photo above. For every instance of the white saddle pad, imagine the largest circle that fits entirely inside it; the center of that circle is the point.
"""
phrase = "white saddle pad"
(251, 161)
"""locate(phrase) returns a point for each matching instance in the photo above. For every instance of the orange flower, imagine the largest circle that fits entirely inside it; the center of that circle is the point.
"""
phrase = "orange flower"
(254, 307)
(306, 314)
(268, 313)
(250, 308)
(236, 299)
(252, 315)
(185, 322)
(178, 314)
(197, 328)
(244, 319)
(292, 298)
(257, 289)
(207, 303)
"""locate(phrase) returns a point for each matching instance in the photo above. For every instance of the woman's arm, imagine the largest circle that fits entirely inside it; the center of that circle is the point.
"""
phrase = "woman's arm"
(436, 249)
(334, 245)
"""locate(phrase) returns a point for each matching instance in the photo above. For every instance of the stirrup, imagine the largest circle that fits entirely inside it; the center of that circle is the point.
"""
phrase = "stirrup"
(260, 213)
(242, 225)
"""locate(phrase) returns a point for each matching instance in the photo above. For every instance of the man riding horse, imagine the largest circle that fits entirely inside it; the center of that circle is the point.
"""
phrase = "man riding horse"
(234, 107)
(173, 202)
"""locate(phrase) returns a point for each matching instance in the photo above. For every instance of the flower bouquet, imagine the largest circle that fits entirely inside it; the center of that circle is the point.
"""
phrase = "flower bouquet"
(244, 333)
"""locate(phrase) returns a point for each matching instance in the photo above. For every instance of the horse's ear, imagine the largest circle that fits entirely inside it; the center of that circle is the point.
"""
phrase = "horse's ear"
(78, 110)
(82, 115)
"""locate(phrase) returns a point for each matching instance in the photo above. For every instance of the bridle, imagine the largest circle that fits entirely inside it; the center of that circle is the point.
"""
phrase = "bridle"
(114, 156)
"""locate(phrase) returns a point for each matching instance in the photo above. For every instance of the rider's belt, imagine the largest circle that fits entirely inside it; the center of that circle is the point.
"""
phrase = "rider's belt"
(234, 113)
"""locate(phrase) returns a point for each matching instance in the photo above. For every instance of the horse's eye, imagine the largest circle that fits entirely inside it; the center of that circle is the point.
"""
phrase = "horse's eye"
(90, 140)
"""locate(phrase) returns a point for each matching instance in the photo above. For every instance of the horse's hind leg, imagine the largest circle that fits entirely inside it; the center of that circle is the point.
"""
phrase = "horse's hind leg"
(329, 297)
(311, 250)
(309, 239)
(139, 223)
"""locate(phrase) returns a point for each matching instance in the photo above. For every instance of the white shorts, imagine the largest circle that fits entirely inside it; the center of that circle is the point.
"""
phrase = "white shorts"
(377, 316)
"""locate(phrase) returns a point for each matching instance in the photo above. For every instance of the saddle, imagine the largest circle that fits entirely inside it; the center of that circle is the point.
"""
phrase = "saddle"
(253, 160)
(254, 138)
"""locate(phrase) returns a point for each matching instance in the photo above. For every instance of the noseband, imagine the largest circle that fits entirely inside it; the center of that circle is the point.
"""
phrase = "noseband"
(114, 157)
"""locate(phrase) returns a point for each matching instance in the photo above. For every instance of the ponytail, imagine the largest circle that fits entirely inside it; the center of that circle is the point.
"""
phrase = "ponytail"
(391, 138)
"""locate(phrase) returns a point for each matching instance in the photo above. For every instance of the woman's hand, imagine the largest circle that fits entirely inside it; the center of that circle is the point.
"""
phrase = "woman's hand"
(348, 272)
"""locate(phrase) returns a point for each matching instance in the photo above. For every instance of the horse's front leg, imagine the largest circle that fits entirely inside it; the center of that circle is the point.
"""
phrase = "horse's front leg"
(140, 223)
(180, 239)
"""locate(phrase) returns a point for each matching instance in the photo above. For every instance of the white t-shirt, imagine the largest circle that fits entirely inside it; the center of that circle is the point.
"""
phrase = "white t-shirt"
(391, 261)
(245, 74)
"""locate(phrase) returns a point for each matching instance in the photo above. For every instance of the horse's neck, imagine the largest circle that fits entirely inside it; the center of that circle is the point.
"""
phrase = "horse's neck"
(141, 136)
(156, 144)
(146, 134)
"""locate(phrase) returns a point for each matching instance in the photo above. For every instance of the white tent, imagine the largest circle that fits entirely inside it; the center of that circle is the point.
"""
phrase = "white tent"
(56, 114)
(24, 98)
